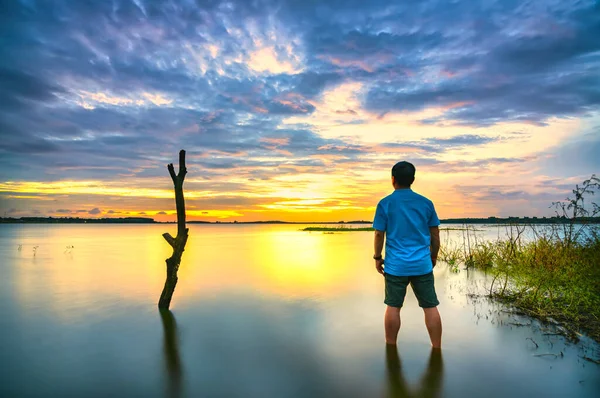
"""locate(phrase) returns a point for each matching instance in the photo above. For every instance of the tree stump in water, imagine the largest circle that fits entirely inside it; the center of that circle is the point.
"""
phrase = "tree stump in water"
(177, 243)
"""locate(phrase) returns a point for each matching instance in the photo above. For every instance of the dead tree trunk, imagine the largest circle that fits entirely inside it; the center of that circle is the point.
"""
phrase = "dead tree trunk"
(178, 243)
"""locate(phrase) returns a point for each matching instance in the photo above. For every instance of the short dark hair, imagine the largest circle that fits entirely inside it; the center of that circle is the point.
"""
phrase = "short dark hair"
(404, 173)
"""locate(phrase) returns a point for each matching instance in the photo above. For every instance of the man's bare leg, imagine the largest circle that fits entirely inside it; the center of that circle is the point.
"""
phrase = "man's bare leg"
(433, 321)
(392, 324)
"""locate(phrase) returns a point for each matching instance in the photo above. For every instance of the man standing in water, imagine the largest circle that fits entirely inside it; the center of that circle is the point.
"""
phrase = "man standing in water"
(411, 226)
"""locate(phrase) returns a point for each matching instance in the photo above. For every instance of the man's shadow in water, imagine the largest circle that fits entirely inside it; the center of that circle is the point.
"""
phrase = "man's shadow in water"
(171, 352)
(430, 385)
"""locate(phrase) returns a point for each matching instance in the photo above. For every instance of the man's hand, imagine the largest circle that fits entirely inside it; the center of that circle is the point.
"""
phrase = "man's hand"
(433, 261)
(378, 247)
(379, 266)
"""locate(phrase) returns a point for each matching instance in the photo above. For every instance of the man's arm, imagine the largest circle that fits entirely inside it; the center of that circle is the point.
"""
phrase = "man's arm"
(435, 243)
(378, 247)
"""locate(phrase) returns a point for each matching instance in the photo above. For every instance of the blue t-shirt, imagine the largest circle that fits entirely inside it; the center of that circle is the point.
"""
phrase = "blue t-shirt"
(406, 216)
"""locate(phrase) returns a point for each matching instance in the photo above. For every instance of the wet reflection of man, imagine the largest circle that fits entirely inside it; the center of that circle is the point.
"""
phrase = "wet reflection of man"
(430, 385)
(171, 351)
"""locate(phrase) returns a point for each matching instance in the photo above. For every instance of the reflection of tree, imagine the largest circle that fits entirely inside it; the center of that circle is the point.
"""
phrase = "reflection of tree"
(171, 351)
(431, 382)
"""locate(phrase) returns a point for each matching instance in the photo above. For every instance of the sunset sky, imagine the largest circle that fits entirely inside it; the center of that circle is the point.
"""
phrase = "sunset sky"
(295, 110)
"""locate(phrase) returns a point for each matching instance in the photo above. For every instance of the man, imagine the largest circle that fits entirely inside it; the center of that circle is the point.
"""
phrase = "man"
(409, 225)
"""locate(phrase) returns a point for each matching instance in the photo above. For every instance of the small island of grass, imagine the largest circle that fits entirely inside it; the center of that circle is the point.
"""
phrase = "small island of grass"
(336, 229)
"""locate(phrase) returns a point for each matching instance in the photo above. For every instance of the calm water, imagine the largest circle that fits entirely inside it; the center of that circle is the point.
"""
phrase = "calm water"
(259, 311)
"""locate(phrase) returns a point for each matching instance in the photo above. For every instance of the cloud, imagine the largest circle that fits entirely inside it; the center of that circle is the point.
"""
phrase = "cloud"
(312, 83)
(21, 88)
(462, 140)
(254, 90)
(95, 211)
(578, 156)
(479, 165)
(90, 100)
(533, 72)
(437, 145)
(266, 60)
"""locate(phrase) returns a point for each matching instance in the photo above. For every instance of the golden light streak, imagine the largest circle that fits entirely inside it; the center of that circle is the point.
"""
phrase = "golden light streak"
(213, 213)
(29, 197)
(279, 261)
(95, 188)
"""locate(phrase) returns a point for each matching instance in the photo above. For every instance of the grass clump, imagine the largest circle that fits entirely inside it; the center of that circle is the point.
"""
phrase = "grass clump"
(550, 272)
(550, 279)
(337, 229)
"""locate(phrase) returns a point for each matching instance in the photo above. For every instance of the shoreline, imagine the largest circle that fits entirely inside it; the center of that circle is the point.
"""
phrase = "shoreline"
(509, 221)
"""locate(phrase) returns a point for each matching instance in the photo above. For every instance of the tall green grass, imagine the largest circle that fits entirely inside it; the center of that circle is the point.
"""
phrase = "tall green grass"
(339, 228)
(551, 272)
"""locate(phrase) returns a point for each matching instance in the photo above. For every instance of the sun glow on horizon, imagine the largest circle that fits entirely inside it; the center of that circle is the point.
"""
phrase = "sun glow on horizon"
(293, 112)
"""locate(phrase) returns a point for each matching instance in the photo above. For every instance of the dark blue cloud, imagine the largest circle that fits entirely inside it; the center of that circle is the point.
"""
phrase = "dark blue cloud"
(440, 145)
(529, 63)
(480, 165)
(312, 83)
(19, 89)
(462, 140)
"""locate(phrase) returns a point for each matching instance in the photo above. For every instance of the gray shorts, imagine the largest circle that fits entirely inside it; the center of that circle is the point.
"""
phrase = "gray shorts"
(422, 285)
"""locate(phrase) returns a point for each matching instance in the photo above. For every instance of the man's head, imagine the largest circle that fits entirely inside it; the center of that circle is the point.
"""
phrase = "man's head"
(403, 174)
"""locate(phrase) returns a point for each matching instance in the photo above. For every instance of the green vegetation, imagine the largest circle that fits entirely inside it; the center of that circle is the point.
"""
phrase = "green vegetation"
(552, 273)
(336, 229)
(521, 220)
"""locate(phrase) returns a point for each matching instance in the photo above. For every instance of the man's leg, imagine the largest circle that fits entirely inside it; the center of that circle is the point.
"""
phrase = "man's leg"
(424, 288)
(433, 321)
(392, 324)
(395, 290)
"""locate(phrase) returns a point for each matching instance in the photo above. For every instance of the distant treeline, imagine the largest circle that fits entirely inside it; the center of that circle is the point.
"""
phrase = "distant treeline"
(522, 220)
(144, 220)
(281, 222)
(76, 220)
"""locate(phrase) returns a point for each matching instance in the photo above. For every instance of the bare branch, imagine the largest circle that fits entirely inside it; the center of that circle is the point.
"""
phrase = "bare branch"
(182, 168)
(172, 172)
(169, 239)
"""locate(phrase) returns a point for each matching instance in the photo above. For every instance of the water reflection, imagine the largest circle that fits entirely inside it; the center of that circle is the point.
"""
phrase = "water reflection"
(171, 353)
(302, 320)
(430, 385)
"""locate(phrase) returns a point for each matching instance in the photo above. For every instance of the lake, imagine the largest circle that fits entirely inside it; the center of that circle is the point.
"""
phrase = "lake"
(259, 311)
